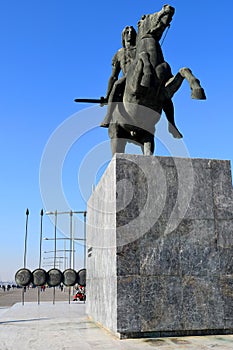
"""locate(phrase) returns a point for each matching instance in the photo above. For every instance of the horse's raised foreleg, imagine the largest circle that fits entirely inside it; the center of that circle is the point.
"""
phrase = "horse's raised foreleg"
(173, 84)
(147, 76)
(197, 91)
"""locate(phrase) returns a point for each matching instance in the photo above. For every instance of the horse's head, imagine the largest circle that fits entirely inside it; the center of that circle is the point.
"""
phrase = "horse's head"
(155, 24)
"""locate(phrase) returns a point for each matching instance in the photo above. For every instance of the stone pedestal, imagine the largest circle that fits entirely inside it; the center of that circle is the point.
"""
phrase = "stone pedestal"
(160, 247)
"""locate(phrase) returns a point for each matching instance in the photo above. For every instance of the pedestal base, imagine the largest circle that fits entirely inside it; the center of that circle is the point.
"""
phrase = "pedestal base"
(160, 247)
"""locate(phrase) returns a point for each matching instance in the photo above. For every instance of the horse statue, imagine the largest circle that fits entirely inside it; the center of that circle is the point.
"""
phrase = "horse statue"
(148, 89)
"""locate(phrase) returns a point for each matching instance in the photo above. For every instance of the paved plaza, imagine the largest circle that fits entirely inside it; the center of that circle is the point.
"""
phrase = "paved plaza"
(65, 326)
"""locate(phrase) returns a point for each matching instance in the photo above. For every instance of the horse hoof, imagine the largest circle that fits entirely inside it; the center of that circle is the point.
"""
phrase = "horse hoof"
(178, 135)
(198, 94)
(175, 132)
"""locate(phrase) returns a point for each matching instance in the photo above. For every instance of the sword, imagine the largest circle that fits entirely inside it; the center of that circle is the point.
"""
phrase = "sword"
(101, 100)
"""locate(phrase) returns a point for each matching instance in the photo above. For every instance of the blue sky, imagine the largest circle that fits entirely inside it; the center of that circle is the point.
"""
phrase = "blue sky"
(54, 51)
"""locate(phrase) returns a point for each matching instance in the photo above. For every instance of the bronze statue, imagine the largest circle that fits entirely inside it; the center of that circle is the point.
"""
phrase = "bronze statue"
(135, 102)
(121, 62)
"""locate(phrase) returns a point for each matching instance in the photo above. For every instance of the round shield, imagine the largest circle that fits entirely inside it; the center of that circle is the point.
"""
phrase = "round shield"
(70, 277)
(39, 277)
(81, 277)
(54, 277)
(23, 277)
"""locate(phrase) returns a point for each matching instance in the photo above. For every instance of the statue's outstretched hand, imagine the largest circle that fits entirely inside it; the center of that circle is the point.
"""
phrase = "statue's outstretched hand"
(103, 101)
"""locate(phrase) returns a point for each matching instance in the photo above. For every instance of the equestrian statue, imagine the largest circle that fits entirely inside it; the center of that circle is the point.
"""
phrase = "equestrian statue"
(135, 101)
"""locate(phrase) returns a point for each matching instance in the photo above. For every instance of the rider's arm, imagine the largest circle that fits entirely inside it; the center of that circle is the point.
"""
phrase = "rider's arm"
(116, 68)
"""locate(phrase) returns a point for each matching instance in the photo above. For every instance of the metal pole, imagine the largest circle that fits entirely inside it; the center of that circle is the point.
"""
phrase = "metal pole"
(71, 245)
(64, 254)
(25, 250)
(41, 225)
(85, 237)
(73, 251)
(26, 236)
(55, 239)
(71, 234)
(55, 250)
(38, 295)
(23, 289)
(71, 238)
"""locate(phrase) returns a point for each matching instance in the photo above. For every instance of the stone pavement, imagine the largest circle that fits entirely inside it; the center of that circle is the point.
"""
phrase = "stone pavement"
(64, 326)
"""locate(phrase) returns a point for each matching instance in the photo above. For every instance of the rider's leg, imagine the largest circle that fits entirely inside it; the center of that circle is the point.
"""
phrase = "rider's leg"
(168, 108)
(115, 96)
(135, 74)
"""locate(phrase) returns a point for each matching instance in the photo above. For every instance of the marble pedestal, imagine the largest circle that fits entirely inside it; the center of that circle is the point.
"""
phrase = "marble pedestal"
(160, 247)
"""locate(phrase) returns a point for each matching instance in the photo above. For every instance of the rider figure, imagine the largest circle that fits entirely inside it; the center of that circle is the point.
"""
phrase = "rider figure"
(121, 62)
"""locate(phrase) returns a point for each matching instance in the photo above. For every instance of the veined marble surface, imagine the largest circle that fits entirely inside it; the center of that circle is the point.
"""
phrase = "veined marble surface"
(160, 236)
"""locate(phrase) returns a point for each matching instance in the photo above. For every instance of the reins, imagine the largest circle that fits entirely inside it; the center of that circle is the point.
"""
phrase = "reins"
(168, 27)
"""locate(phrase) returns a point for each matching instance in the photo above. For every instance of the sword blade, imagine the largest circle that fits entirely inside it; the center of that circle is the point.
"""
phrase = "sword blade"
(88, 100)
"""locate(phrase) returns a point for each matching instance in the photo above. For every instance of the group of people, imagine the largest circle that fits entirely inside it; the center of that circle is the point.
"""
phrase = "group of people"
(7, 287)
